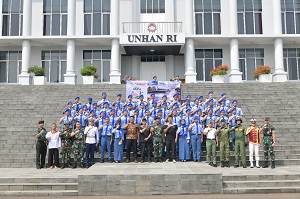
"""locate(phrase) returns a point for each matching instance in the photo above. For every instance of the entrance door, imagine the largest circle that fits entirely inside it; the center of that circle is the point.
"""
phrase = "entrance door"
(149, 69)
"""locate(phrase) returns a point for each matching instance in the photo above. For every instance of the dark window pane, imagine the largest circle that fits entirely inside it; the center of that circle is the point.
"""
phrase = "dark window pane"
(258, 23)
(289, 5)
(218, 53)
(106, 71)
(149, 6)
(105, 5)
(249, 23)
(292, 68)
(218, 62)
(198, 19)
(207, 23)
(297, 23)
(283, 23)
(106, 54)
(55, 54)
(162, 6)
(298, 53)
(87, 54)
(240, 5)
(209, 65)
(290, 24)
(45, 65)
(297, 5)
(285, 52)
(47, 6)
(207, 6)
(285, 64)
(88, 5)
(54, 72)
(292, 52)
(46, 30)
(55, 24)
(64, 6)
(248, 5)
(216, 5)
(13, 55)
(209, 53)
(199, 70)
(87, 24)
(21, 8)
(155, 6)
(250, 53)
(259, 62)
(106, 24)
(282, 5)
(97, 54)
(97, 5)
(97, 24)
(241, 23)
(250, 68)
(55, 6)
(259, 52)
(15, 25)
(6, 4)
(199, 53)
(3, 72)
(63, 69)
(242, 68)
(217, 23)
(242, 53)
(64, 24)
(21, 29)
(13, 72)
(143, 59)
(198, 5)
(143, 6)
(15, 6)
(5, 25)
(63, 55)
(3, 55)
(257, 5)
(46, 55)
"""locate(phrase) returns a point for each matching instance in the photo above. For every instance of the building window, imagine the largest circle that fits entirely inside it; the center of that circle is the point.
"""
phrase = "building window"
(55, 64)
(10, 66)
(291, 60)
(249, 59)
(96, 17)
(249, 16)
(207, 16)
(152, 6)
(290, 16)
(206, 60)
(100, 59)
(55, 17)
(12, 18)
(152, 56)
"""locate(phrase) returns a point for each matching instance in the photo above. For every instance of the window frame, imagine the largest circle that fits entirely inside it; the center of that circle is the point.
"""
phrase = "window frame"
(9, 13)
(7, 62)
(284, 19)
(286, 58)
(160, 10)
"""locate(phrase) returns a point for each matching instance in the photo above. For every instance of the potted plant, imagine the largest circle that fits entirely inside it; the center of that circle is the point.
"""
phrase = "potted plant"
(263, 74)
(88, 73)
(39, 75)
(218, 74)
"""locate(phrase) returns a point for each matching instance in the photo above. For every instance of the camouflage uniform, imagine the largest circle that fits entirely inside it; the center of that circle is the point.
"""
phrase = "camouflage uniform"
(267, 144)
(78, 147)
(224, 139)
(240, 142)
(158, 141)
(66, 147)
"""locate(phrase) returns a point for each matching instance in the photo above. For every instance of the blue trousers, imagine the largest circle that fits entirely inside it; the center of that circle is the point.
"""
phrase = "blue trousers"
(196, 146)
(90, 149)
(105, 144)
(118, 150)
(184, 148)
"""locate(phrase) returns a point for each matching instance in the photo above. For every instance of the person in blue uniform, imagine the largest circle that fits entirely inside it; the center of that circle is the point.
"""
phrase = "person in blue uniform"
(104, 99)
(196, 138)
(89, 104)
(118, 143)
(184, 141)
(106, 139)
(223, 98)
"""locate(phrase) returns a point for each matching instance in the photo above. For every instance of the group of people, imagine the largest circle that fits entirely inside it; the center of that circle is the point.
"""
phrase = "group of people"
(154, 126)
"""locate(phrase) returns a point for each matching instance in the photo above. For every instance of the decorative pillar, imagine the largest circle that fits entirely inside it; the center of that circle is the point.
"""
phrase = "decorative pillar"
(279, 74)
(24, 77)
(70, 76)
(115, 68)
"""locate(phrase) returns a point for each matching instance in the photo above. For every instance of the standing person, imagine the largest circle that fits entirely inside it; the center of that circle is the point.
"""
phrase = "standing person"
(132, 136)
(91, 141)
(145, 136)
(225, 139)
(157, 130)
(106, 139)
(196, 138)
(67, 142)
(254, 142)
(176, 79)
(170, 130)
(240, 142)
(212, 142)
(269, 138)
(118, 143)
(54, 144)
(78, 144)
(184, 141)
(41, 146)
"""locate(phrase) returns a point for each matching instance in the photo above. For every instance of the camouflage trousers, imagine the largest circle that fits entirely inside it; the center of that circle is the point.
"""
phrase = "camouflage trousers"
(224, 151)
(66, 152)
(78, 153)
(240, 151)
(267, 147)
(157, 148)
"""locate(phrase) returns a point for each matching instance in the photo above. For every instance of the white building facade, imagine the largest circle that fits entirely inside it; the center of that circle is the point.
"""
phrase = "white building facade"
(142, 38)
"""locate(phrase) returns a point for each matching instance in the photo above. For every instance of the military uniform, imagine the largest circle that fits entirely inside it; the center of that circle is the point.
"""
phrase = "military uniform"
(240, 142)
(78, 147)
(267, 144)
(224, 140)
(67, 142)
(158, 141)
(41, 148)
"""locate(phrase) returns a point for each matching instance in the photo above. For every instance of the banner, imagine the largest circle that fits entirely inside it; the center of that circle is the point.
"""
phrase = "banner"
(146, 88)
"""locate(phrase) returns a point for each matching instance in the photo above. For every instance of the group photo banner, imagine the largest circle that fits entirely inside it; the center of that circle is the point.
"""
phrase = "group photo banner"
(146, 88)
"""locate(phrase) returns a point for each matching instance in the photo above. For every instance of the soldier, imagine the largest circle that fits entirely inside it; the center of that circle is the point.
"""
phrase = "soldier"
(157, 131)
(106, 139)
(240, 142)
(66, 141)
(254, 142)
(268, 142)
(196, 138)
(41, 146)
(225, 139)
(211, 143)
(78, 145)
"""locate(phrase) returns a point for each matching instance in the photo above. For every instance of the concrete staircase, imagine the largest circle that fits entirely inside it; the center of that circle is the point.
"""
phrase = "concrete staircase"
(22, 106)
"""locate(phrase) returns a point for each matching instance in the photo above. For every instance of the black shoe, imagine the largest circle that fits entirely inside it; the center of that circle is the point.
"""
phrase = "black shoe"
(87, 166)
(74, 166)
(236, 166)
(69, 165)
(110, 161)
(273, 165)
(38, 167)
(160, 160)
(102, 161)
(266, 164)
(81, 165)
(142, 161)
(222, 164)
(244, 166)
(227, 164)
(150, 160)
(43, 166)
(63, 166)
(214, 165)
(156, 160)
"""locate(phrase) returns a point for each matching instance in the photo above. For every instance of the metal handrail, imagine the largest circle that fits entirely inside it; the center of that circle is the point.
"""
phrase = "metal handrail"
(152, 27)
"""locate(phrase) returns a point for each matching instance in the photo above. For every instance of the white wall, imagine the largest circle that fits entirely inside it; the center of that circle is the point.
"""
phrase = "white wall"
(37, 18)
(225, 21)
(267, 17)
(179, 66)
(79, 18)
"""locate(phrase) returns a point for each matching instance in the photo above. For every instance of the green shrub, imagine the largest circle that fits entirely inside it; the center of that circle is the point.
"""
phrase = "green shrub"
(89, 70)
(38, 71)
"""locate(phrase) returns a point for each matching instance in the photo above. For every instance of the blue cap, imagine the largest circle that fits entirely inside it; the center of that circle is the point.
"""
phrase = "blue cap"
(102, 112)
(103, 93)
(222, 100)
(141, 96)
(154, 77)
(186, 100)
(174, 110)
(177, 75)
(188, 95)
(116, 103)
(164, 96)
(129, 104)
(142, 103)
(164, 103)
(136, 110)
(84, 106)
(90, 98)
(125, 110)
(146, 110)
(210, 109)
(223, 94)
(77, 97)
(209, 92)
(188, 109)
(159, 111)
(129, 96)
(233, 109)
(196, 118)
(199, 109)
(152, 94)
(222, 111)
(196, 99)
(106, 117)
(154, 102)
(70, 103)
(112, 110)
(200, 97)
(67, 110)
(80, 109)
(105, 103)
(95, 103)
(234, 101)
(175, 95)
(92, 111)
(119, 95)
(211, 100)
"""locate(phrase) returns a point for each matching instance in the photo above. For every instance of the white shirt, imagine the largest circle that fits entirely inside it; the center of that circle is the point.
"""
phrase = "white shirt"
(91, 134)
(211, 134)
(54, 140)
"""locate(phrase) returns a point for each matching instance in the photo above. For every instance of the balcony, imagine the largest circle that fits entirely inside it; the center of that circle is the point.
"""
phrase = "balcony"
(152, 27)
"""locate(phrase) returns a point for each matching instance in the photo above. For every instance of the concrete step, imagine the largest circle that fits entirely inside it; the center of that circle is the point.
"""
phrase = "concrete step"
(37, 186)
(261, 190)
(270, 177)
(261, 184)
(40, 193)
(49, 180)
